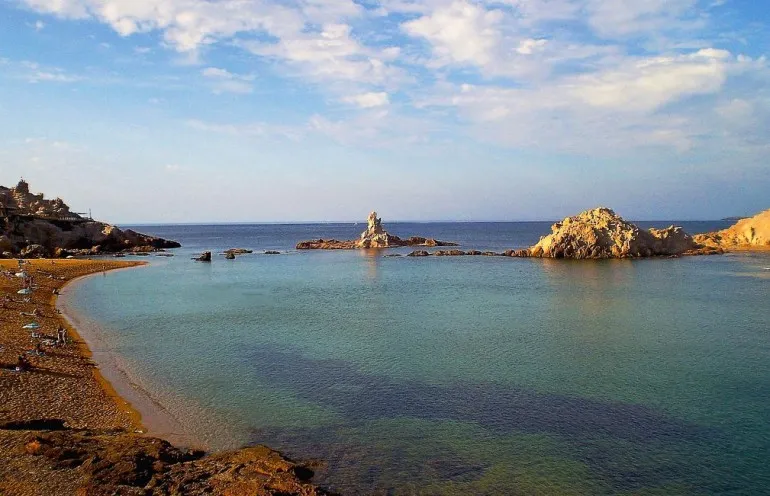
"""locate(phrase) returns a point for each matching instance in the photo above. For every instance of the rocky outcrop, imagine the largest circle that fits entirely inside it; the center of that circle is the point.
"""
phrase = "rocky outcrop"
(601, 233)
(746, 234)
(374, 236)
(20, 201)
(238, 251)
(229, 255)
(114, 462)
(27, 219)
(205, 257)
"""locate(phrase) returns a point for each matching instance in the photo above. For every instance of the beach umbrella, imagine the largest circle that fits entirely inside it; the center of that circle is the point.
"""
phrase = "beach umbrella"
(32, 325)
(24, 291)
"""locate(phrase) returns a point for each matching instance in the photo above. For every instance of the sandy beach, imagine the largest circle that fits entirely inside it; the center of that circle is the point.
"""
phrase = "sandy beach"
(64, 429)
(64, 383)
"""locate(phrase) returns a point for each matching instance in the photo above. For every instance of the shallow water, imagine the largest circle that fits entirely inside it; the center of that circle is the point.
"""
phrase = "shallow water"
(457, 375)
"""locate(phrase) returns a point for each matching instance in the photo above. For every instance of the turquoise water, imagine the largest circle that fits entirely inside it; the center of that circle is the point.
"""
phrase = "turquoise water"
(458, 375)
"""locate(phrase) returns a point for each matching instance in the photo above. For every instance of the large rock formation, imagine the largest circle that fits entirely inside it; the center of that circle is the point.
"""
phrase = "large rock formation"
(746, 234)
(601, 233)
(374, 236)
(27, 219)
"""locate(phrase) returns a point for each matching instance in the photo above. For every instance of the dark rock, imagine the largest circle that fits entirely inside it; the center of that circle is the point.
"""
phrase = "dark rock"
(238, 251)
(204, 257)
(272, 252)
(419, 253)
(230, 255)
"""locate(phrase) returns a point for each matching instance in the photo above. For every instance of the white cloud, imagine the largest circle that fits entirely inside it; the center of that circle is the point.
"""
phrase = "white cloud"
(648, 84)
(224, 81)
(460, 32)
(530, 46)
(368, 100)
(567, 74)
(637, 102)
(620, 18)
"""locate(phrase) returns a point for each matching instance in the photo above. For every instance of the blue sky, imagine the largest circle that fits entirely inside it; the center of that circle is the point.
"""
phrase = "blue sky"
(267, 110)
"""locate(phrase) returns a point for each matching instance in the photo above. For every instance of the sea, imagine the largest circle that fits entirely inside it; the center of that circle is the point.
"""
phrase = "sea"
(455, 375)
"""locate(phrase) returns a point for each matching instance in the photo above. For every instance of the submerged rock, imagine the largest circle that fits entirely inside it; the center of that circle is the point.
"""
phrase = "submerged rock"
(746, 234)
(601, 233)
(272, 252)
(230, 255)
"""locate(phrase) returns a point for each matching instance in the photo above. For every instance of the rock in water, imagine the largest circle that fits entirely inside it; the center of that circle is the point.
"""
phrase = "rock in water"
(745, 234)
(230, 255)
(601, 233)
(238, 251)
(375, 236)
(204, 257)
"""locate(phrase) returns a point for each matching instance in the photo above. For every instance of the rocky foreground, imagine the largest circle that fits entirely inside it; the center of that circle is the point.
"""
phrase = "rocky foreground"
(59, 460)
(746, 234)
(33, 227)
(375, 236)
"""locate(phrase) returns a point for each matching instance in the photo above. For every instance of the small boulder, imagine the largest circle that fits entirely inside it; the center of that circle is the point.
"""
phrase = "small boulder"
(204, 257)
(230, 255)
(419, 253)
(33, 251)
(238, 251)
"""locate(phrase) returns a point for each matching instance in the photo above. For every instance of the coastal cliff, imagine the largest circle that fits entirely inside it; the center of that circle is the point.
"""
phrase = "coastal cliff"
(601, 233)
(375, 236)
(746, 234)
(32, 227)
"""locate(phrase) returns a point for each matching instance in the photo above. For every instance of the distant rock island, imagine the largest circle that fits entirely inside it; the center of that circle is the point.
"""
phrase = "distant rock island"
(375, 236)
(746, 234)
(31, 227)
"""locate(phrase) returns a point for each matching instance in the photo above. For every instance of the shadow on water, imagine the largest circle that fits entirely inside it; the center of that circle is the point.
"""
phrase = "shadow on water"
(599, 433)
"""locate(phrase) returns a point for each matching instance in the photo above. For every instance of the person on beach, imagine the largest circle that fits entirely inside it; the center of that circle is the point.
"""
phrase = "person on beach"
(61, 336)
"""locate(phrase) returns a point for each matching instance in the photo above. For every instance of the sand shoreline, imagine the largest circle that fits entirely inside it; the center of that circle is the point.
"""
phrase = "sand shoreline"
(153, 418)
(66, 424)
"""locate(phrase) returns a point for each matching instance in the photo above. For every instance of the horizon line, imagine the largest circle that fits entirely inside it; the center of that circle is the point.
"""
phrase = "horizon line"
(309, 222)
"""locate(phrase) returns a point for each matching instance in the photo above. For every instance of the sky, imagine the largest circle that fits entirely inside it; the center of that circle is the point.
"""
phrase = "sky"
(321, 110)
